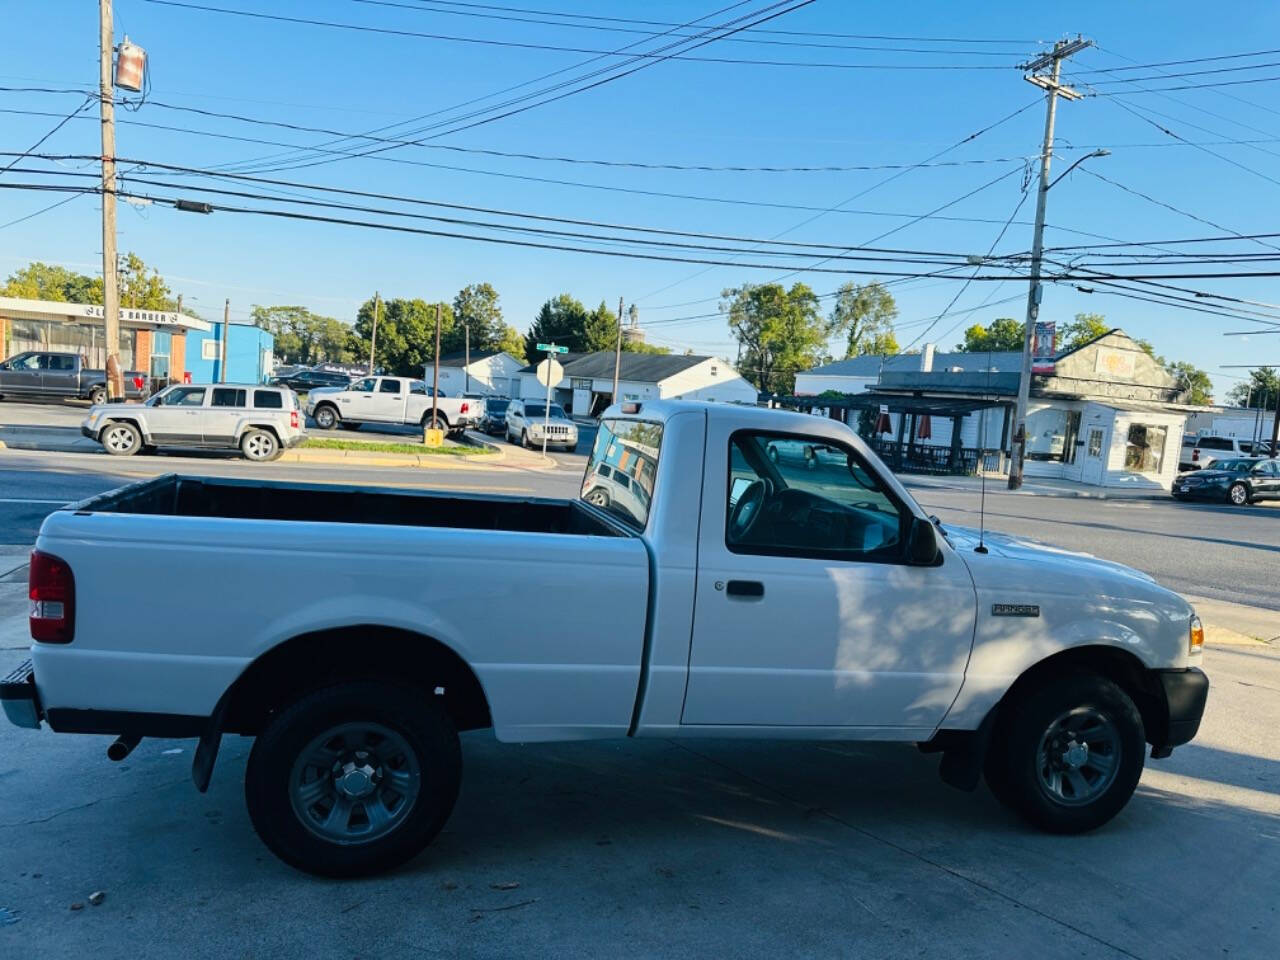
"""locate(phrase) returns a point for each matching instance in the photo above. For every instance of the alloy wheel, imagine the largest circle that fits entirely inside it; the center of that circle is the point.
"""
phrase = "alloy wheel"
(1079, 757)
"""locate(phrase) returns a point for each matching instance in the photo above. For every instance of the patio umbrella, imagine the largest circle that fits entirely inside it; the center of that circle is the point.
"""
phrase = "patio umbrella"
(924, 430)
(883, 425)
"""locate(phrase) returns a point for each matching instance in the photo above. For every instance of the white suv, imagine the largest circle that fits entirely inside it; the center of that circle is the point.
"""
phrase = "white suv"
(257, 420)
(527, 422)
(1207, 449)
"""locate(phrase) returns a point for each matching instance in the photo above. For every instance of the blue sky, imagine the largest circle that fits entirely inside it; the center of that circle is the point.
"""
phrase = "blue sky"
(672, 112)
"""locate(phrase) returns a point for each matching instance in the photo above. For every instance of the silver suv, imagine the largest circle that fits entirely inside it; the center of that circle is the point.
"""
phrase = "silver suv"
(259, 421)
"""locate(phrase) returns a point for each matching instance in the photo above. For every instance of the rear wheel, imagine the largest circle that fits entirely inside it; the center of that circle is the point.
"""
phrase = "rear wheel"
(1238, 494)
(121, 439)
(354, 779)
(326, 417)
(1067, 753)
(259, 445)
(441, 421)
(98, 395)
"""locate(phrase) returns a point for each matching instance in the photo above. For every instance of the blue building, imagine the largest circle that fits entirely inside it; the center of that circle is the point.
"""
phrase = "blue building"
(249, 354)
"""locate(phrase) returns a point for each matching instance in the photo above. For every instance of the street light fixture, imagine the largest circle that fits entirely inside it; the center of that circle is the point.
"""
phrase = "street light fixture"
(1087, 156)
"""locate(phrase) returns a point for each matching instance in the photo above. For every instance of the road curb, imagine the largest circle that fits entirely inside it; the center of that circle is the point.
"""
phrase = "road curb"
(375, 459)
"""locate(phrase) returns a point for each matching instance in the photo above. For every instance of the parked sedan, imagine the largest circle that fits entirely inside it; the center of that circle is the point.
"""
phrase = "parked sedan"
(1239, 481)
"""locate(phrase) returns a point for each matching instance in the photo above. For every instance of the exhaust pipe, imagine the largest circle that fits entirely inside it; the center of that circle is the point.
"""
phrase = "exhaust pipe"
(122, 746)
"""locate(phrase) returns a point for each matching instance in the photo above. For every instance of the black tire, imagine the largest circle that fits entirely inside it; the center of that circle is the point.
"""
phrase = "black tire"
(441, 421)
(599, 496)
(411, 713)
(524, 439)
(120, 439)
(1013, 768)
(1239, 495)
(260, 446)
(98, 396)
(327, 416)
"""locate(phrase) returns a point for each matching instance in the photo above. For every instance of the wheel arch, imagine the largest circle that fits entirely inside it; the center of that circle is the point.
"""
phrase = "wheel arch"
(310, 660)
(134, 422)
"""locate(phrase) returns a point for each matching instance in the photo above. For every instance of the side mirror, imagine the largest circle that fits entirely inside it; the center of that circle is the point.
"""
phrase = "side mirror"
(922, 543)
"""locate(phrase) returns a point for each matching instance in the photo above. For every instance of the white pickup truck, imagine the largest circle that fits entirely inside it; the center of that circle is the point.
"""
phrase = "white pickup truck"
(394, 400)
(724, 591)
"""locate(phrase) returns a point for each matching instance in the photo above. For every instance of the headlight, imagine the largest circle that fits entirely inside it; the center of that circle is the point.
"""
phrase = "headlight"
(1196, 638)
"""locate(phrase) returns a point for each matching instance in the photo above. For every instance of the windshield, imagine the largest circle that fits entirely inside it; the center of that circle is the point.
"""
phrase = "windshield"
(1235, 466)
(496, 406)
(539, 410)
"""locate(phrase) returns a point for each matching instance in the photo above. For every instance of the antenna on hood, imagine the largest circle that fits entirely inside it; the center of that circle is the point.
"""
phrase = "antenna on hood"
(982, 473)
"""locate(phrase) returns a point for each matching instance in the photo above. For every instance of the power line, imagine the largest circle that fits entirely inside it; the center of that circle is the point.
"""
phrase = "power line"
(58, 203)
(486, 41)
(1180, 212)
(662, 23)
(1175, 63)
(58, 126)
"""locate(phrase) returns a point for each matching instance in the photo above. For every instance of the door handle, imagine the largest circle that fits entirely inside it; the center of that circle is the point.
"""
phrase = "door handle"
(744, 588)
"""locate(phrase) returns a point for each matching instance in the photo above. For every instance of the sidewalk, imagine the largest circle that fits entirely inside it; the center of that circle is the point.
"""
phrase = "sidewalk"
(1039, 487)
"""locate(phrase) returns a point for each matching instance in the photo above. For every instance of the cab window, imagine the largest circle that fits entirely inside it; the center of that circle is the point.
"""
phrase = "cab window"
(809, 497)
(363, 386)
(389, 386)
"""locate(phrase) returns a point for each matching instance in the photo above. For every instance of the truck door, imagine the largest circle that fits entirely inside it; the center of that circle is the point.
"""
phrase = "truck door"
(807, 613)
(22, 375)
(59, 375)
(388, 400)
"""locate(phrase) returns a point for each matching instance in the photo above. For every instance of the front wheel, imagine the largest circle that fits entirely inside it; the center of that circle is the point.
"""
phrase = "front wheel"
(1238, 494)
(259, 445)
(121, 439)
(354, 779)
(1067, 752)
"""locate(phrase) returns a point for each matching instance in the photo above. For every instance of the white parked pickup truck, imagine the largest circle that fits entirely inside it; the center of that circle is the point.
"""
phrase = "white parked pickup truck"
(724, 591)
(396, 400)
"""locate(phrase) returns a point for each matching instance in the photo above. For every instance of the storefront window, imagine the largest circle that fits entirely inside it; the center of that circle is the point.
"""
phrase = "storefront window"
(1144, 451)
(1051, 434)
(82, 338)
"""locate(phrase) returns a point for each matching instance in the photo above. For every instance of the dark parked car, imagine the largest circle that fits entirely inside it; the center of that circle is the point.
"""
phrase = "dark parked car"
(494, 421)
(58, 375)
(304, 380)
(1239, 481)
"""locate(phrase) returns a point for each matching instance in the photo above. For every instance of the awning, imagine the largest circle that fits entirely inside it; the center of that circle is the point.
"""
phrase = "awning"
(897, 403)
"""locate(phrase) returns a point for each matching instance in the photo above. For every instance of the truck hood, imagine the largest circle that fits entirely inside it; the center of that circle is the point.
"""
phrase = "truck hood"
(1064, 562)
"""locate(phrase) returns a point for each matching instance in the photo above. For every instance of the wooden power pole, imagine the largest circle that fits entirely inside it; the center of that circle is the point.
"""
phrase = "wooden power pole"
(373, 338)
(435, 377)
(110, 279)
(617, 354)
(226, 332)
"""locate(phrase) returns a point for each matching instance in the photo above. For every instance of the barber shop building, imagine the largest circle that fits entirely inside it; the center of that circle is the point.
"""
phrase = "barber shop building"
(1104, 414)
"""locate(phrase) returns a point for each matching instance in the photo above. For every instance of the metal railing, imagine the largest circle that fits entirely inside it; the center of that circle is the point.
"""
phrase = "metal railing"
(939, 460)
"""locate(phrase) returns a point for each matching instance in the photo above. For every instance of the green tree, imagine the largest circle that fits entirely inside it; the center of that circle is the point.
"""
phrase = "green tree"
(639, 346)
(304, 337)
(43, 281)
(406, 334)
(475, 308)
(1085, 328)
(142, 287)
(602, 328)
(1259, 392)
(561, 320)
(1003, 333)
(512, 342)
(1194, 381)
(780, 332)
(863, 314)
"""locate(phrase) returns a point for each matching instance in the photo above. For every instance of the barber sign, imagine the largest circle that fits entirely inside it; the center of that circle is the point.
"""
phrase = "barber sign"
(1044, 347)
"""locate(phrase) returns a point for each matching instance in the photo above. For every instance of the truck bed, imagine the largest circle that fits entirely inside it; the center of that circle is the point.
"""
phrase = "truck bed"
(178, 496)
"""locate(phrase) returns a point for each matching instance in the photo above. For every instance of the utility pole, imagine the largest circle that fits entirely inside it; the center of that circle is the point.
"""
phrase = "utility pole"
(373, 339)
(1053, 88)
(617, 354)
(466, 357)
(435, 377)
(110, 280)
(226, 332)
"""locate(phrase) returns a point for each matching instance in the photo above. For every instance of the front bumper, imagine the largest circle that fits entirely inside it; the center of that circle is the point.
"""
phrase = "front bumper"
(20, 699)
(1185, 694)
(88, 431)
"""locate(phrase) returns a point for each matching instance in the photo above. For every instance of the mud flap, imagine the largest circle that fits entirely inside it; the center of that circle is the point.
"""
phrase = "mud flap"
(207, 751)
(963, 760)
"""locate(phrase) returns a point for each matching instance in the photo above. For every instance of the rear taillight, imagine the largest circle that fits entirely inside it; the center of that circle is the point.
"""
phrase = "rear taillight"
(293, 419)
(52, 590)
(466, 407)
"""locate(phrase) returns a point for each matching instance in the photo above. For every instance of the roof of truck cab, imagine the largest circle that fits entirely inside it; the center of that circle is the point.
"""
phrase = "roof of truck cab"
(760, 417)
